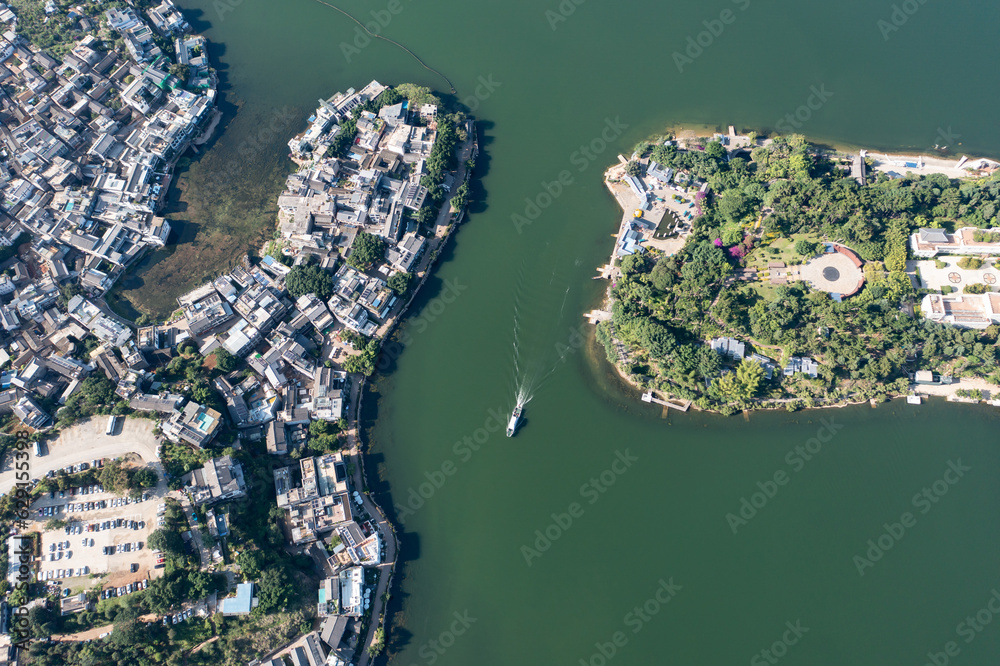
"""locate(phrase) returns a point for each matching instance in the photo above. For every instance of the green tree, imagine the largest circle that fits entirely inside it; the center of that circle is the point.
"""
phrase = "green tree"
(733, 204)
(806, 248)
(366, 250)
(251, 562)
(273, 590)
(417, 94)
(116, 478)
(182, 72)
(425, 215)
(970, 263)
(127, 629)
(742, 384)
(732, 234)
(715, 150)
(633, 168)
(749, 374)
(378, 643)
(144, 478)
(167, 541)
(400, 282)
(225, 360)
(309, 279)
(363, 363)
(461, 197)
(344, 139)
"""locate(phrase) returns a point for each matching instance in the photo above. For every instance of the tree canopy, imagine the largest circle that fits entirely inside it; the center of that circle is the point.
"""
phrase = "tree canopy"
(665, 308)
(309, 279)
(400, 282)
(167, 541)
(366, 250)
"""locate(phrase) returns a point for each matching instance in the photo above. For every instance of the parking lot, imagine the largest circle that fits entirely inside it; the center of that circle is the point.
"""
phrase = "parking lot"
(97, 520)
(87, 441)
(113, 522)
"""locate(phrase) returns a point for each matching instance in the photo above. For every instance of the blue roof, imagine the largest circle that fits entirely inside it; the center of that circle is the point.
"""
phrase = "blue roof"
(240, 604)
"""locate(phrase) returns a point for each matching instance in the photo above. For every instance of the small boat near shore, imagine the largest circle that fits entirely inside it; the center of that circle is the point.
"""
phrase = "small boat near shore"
(515, 420)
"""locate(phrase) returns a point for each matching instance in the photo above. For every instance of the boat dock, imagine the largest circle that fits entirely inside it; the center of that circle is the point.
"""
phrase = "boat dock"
(607, 272)
(682, 406)
(595, 316)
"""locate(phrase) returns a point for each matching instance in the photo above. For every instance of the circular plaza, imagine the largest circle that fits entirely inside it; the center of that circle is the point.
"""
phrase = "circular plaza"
(838, 272)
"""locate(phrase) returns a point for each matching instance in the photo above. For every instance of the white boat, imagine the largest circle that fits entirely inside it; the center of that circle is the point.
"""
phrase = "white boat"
(515, 419)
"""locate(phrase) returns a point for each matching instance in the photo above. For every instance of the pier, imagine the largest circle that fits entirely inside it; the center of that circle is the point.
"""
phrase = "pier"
(595, 316)
(682, 406)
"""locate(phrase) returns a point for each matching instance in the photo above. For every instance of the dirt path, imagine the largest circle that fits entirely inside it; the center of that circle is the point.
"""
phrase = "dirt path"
(967, 383)
(90, 634)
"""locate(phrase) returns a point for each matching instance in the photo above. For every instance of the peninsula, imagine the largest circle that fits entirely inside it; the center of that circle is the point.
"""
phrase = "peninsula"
(753, 274)
(195, 488)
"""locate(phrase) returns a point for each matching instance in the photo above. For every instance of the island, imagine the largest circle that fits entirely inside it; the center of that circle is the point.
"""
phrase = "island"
(752, 273)
(193, 490)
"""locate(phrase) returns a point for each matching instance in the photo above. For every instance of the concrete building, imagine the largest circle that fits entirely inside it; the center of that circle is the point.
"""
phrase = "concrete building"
(220, 479)
(926, 243)
(240, 604)
(965, 310)
(195, 424)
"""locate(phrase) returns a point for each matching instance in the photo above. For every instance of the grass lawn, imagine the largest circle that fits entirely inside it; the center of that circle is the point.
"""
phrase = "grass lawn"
(762, 256)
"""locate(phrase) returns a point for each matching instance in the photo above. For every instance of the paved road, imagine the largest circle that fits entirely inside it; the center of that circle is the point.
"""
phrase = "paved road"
(385, 528)
(87, 441)
(385, 569)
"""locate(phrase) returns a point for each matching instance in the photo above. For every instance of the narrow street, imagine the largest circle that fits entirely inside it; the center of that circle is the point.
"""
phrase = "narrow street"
(386, 568)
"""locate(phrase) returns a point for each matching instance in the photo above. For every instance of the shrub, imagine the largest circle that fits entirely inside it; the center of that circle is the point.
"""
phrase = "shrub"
(970, 263)
(806, 248)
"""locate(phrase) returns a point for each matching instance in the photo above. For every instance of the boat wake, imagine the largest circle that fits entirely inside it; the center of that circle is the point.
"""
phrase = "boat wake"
(533, 365)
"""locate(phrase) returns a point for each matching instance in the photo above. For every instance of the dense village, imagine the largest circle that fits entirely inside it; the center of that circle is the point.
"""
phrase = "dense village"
(710, 264)
(156, 448)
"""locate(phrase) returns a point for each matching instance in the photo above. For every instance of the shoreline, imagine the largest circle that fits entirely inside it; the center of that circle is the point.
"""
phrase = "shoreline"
(387, 581)
(313, 159)
(629, 203)
(701, 130)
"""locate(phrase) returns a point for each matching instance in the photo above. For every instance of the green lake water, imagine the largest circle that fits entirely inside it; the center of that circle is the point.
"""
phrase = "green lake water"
(545, 94)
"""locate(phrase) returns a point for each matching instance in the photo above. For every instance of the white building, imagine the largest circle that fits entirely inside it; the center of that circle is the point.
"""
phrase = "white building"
(966, 310)
(927, 243)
